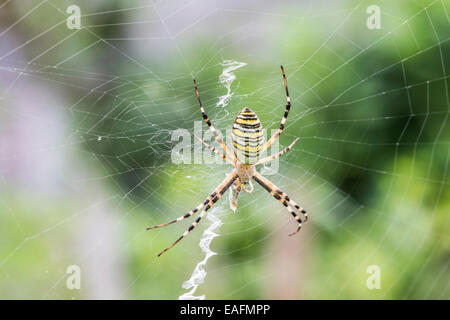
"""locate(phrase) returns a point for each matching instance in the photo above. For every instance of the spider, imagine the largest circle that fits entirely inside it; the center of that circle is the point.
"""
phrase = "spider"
(248, 144)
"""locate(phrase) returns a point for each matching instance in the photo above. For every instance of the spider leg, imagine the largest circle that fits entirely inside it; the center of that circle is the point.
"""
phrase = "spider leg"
(214, 150)
(251, 187)
(211, 127)
(187, 215)
(273, 157)
(234, 195)
(221, 189)
(283, 120)
(283, 198)
(196, 209)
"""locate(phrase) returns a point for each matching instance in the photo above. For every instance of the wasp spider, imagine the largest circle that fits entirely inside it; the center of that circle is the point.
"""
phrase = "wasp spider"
(248, 144)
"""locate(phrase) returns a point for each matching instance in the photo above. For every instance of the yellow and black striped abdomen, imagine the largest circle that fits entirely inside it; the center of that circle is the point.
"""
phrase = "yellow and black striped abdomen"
(247, 136)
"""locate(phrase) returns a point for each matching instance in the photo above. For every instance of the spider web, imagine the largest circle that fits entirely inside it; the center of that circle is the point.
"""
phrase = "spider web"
(86, 124)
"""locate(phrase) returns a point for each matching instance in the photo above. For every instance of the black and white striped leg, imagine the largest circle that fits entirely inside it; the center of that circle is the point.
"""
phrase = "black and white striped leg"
(221, 190)
(196, 209)
(291, 202)
(286, 112)
(215, 150)
(187, 215)
(290, 205)
(211, 127)
(279, 154)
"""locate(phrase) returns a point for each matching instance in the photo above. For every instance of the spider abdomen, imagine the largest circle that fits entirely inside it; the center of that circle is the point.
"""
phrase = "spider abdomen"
(247, 137)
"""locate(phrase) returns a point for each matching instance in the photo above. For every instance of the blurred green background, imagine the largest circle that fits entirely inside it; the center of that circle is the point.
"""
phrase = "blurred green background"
(86, 123)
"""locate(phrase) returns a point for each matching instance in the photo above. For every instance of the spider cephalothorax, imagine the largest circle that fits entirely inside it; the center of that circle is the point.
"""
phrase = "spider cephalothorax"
(248, 145)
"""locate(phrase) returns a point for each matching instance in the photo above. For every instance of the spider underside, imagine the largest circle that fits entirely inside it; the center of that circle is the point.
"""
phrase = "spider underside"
(248, 144)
